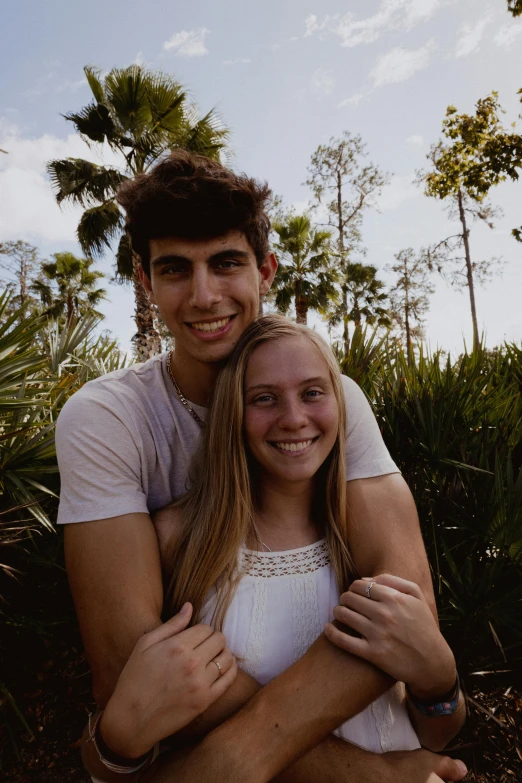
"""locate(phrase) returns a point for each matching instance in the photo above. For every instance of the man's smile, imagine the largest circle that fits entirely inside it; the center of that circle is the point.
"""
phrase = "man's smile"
(216, 326)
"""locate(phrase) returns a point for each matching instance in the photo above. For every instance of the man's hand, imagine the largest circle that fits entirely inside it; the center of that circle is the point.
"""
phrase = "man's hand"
(169, 679)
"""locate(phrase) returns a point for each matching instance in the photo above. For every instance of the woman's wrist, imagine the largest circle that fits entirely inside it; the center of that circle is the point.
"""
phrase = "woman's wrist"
(437, 682)
(121, 738)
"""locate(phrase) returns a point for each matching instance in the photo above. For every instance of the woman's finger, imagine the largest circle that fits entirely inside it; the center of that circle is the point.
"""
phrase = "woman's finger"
(219, 665)
(171, 627)
(359, 603)
(351, 644)
(397, 583)
(211, 647)
(378, 594)
(353, 620)
(221, 684)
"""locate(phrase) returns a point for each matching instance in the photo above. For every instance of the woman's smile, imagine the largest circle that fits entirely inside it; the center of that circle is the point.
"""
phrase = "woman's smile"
(291, 417)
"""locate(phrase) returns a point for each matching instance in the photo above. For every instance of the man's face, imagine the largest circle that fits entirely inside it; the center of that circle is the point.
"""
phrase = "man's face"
(207, 291)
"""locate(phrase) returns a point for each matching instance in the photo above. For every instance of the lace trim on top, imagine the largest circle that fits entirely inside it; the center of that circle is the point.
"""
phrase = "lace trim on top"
(291, 562)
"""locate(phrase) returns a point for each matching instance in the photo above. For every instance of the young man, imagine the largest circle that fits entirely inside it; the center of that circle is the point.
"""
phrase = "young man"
(124, 447)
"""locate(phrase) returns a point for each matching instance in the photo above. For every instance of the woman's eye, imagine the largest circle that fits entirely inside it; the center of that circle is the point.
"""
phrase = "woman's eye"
(264, 398)
(313, 393)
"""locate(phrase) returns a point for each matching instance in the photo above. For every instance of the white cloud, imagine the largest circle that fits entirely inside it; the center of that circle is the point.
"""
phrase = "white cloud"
(237, 60)
(322, 82)
(353, 100)
(28, 209)
(507, 34)
(415, 141)
(188, 43)
(470, 37)
(399, 190)
(70, 86)
(400, 64)
(391, 15)
(139, 59)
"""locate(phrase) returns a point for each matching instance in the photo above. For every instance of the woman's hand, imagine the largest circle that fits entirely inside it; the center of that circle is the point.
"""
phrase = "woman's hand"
(170, 678)
(398, 634)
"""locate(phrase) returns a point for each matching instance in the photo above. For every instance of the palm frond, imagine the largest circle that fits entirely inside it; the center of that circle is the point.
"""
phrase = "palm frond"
(98, 227)
(83, 182)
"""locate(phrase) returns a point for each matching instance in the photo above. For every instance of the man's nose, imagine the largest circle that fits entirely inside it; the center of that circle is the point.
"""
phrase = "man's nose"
(204, 290)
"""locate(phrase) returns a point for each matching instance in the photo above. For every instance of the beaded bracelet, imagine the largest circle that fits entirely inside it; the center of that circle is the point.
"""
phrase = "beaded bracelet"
(119, 763)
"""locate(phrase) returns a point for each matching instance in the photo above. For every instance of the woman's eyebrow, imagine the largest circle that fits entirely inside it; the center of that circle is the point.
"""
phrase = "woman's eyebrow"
(307, 382)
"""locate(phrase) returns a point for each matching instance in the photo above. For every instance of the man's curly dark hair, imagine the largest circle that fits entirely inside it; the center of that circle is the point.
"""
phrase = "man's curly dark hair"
(193, 197)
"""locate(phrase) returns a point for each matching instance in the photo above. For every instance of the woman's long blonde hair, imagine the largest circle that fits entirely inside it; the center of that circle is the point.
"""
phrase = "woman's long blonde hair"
(217, 513)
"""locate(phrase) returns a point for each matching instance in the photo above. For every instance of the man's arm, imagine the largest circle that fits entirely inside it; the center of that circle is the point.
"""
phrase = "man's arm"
(115, 577)
(303, 705)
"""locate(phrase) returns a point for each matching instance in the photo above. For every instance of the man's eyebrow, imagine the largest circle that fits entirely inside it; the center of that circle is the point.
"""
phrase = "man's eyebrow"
(170, 258)
(307, 382)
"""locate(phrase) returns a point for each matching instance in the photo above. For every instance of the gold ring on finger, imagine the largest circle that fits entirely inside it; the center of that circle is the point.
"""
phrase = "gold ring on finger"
(220, 670)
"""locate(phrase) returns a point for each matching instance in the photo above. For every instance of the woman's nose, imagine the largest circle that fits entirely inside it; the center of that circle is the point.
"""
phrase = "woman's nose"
(292, 416)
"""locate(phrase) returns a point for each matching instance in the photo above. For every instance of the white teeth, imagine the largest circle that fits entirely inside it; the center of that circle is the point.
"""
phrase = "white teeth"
(211, 326)
(294, 446)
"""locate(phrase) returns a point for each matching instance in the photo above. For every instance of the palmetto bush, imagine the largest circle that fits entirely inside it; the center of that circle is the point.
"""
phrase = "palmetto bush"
(41, 365)
(454, 428)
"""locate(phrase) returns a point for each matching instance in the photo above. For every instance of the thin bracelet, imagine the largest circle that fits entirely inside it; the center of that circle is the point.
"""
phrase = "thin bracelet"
(121, 768)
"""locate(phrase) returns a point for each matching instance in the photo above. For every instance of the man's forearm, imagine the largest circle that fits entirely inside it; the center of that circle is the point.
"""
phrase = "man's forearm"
(291, 715)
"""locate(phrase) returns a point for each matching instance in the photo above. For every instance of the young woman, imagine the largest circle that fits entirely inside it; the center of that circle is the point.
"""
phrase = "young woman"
(259, 546)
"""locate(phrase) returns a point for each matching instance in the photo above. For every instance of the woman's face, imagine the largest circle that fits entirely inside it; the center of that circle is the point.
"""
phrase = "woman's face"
(291, 413)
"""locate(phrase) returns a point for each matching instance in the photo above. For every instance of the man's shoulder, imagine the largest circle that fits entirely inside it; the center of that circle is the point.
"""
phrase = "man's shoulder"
(121, 393)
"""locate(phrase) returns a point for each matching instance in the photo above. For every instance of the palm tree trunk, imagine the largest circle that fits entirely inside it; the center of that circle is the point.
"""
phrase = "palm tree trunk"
(469, 269)
(147, 341)
(301, 309)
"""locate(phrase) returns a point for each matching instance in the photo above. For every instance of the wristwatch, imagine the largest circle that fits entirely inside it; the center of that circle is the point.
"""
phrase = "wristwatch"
(447, 705)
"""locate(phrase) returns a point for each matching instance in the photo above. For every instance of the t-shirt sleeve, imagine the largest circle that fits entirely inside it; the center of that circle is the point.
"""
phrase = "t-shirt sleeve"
(366, 453)
(99, 458)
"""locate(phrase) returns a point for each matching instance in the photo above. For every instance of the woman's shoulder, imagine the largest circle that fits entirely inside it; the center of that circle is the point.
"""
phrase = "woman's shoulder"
(168, 525)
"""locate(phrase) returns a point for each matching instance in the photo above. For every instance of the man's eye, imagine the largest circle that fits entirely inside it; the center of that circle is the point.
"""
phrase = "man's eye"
(227, 264)
(175, 269)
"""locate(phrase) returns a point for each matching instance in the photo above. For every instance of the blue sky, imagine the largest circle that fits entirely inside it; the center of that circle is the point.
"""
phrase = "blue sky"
(285, 76)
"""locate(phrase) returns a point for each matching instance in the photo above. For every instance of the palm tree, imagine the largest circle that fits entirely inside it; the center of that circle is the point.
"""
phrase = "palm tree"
(67, 287)
(363, 297)
(141, 115)
(304, 274)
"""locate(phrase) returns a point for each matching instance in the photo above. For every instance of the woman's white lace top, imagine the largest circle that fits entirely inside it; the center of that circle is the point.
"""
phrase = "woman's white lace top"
(279, 609)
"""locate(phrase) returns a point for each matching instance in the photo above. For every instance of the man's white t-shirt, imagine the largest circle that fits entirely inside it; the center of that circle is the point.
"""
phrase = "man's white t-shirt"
(125, 442)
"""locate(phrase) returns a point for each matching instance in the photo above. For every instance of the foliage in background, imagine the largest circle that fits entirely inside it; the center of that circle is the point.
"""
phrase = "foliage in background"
(346, 185)
(67, 288)
(454, 428)
(21, 261)
(515, 7)
(41, 365)
(409, 295)
(476, 155)
(141, 115)
(305, 275)
(365, 297)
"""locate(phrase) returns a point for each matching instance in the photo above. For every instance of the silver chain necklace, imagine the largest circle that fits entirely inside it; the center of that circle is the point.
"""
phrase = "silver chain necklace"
(180, 394)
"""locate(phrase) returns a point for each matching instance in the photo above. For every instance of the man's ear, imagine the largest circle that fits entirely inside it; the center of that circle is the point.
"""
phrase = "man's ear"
(267, 272)
(145, 281)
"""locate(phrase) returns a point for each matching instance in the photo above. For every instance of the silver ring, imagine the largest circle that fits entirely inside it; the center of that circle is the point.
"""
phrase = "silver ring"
(220, 670)
(369, 589)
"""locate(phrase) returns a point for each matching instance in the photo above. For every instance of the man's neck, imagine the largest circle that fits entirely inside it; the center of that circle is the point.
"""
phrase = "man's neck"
(195, 379)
